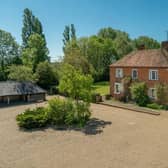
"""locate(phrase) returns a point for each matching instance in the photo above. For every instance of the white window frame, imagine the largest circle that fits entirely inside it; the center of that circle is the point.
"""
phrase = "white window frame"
(133, 74)
(150, 93)
(150, 74)
(119, 88)
(119, 73)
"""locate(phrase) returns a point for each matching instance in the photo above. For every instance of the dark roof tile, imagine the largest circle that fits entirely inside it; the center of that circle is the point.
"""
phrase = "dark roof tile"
(19, 88)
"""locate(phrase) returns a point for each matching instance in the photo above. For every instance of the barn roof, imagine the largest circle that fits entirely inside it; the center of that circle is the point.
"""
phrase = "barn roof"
(9, 88)
(143, 58)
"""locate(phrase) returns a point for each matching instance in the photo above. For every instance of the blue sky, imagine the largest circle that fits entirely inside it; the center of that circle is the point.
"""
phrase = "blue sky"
(137, 17)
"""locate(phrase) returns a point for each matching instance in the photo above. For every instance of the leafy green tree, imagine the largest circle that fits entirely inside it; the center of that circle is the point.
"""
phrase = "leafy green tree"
(100, 53)
(46, 76)
(148, 42)
(74, 57)
(66, 35)
(21, 73)
(69, 35)
(31, 25)
(123, 46)
(73, 32)
(77, 85)
(35, 52)
(108, 32)
(9, 52)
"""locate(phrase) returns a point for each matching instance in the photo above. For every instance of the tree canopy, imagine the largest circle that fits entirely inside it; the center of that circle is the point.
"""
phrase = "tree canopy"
(77, 85)
(35, 52)
(21, 73)
(31, 25)
(9, 52)
(148, 42)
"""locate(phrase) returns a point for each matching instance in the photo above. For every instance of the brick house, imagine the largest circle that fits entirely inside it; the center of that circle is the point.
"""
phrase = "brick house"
(149, 66)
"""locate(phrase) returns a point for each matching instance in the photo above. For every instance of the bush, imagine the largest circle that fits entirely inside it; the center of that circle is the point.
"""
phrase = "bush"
(79, 115)
(155, 106)
(33, 118)
(96, 98)
(107, 96)
(68, 112)
(162, 94)
(139, 93)
(58, 112)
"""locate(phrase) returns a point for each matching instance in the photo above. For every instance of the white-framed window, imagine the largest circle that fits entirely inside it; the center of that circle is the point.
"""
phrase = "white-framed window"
(117, 88)
(152, 93)
(153, 74)
(134, 74)
(119, 72)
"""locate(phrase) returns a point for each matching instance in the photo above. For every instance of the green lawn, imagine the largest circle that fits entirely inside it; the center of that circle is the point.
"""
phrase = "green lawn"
(101, 87)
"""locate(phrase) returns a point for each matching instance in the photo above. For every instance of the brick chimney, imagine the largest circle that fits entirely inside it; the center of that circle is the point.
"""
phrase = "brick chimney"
(141, 47)
(164, 45)
(164, 49)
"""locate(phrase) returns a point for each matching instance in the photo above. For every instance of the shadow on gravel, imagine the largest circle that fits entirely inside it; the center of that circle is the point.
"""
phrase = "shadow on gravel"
(93, 127)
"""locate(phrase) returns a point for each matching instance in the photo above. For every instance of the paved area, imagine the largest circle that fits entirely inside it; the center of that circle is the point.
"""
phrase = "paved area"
(128, 106)
(115, 138)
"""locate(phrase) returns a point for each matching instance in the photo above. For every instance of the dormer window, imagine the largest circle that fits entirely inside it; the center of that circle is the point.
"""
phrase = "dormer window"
(119, 72)
(134, 74)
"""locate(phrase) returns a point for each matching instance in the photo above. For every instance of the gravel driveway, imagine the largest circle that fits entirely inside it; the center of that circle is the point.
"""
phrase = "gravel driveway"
(114, 138)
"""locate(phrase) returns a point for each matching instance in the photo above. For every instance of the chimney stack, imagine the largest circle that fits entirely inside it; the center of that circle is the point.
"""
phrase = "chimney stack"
(164, 45)
(141, 47)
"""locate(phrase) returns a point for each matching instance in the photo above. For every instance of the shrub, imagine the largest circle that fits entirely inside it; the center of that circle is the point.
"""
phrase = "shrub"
(139, 93)
(155, 106)
(68, 112)
(96, 98)
(162, 94)
(57, 111)
(107, 96)
(82, 113)
(33, 118)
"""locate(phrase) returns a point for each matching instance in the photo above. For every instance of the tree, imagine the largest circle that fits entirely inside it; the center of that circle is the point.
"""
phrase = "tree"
(123, 43)
(69, 35)
(31, 25)
(74, 57)
(100, 53)
(123, 46)
(66, 36)
(35, 52)
(21, 73)
(148, 42)
(46, 75)
(77, 85)
(9, 52)
(73, 32)
(108, 32)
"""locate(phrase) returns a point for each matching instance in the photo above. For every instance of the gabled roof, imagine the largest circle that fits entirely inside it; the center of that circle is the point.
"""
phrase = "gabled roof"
(8, 88)
(143, 58)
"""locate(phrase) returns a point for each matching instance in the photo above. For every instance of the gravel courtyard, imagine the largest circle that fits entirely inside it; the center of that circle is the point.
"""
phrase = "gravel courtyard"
(115, 138)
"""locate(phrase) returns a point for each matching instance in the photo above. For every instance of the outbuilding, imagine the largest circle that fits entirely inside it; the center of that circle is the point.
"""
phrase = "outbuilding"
(12, 91)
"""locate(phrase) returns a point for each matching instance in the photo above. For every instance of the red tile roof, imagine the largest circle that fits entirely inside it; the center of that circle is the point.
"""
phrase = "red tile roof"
(143, 58)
